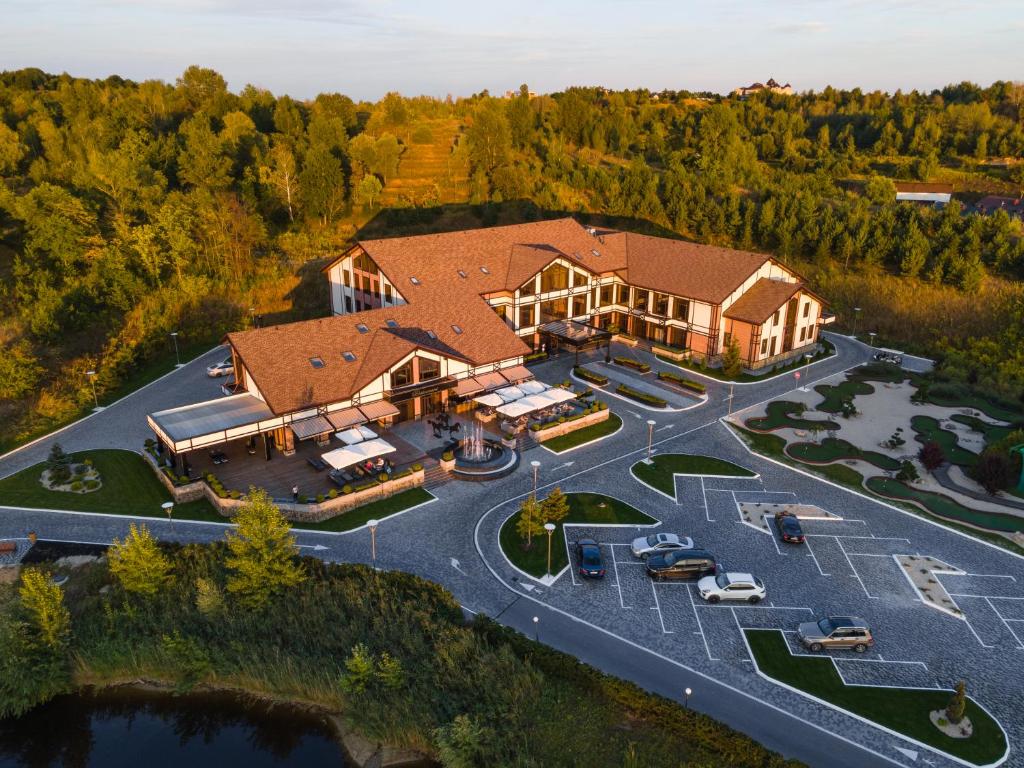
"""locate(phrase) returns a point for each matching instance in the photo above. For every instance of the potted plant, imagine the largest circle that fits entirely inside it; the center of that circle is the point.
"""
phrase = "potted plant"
(447, 461)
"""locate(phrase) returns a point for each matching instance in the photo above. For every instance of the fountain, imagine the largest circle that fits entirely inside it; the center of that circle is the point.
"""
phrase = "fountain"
(481, 458)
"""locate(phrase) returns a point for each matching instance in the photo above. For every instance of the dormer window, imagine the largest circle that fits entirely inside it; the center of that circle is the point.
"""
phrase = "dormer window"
(348, 357)
(361, 327)
(316, 362)
(457, 329)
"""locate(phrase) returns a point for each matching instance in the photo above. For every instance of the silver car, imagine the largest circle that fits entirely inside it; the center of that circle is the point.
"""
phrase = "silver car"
(223, 368)
(659, 544)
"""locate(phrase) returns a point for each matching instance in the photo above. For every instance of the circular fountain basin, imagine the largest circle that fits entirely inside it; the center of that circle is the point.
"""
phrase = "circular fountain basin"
(494, 461)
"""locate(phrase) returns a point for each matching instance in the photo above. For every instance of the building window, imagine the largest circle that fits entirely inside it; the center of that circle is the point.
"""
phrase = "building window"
(579, 305)
(429, 369)
(500, 311)
(803, 334)
(414, 280)
(764, 346)
(402, 376)
(661, 304)
(606, 295)
(580, 278)
(775, 318)
(387, 293)
(807, 309)
(526, 316)
(348, 303)
(554, 278)
(346, 277)
(623, 294)
(391, 323)
(528, 288)
(681, 309)
(640, 299)
(485, 270)
(556, 309)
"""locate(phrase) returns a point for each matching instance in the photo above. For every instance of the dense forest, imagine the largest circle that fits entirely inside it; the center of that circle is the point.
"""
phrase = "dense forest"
(130, 210)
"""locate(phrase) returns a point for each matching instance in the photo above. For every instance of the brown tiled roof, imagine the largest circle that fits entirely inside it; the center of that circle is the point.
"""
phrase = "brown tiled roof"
(923, 186)
(278, 357)
(762, 300)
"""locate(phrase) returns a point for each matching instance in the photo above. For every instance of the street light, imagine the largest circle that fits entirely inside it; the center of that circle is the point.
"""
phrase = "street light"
(550, 528)
(650, 437)
(252, 317)
(871, 336)
(536, 628)
(372, 525)
(168, 508)
(90, 375)
(686, 700)
(174, 336)
(856, 314)
(536, 468)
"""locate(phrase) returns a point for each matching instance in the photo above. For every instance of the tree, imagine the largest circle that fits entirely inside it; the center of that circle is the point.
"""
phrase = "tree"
(531, 521)
(20, 371)
(43, 603)
(993, 470)
(957, 704)
(880, 190)
(279, 173)
(555, 508)
(908, 472)
(368, 190)
(138, 563)
(362, 150)
(11, 150)
(59, 464)
(732, 360)
(386, 151)
(261, 553)
(489, 137)
(323, 184)
(931, 455)
(463, 743)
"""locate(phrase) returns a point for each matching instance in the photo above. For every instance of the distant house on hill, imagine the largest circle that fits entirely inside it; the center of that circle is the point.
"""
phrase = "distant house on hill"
(513, 94)
(992, 203)
(924, 192)
(771, 86)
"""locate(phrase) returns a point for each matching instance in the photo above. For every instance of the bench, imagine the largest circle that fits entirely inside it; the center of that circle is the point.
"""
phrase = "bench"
(6, 547)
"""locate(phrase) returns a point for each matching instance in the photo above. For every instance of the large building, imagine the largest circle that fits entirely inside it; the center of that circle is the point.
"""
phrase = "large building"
(771, 86)
(929, 193)
(419, 320)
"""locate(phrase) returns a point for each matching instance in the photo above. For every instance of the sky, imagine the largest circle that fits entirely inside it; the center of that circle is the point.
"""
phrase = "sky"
(364, 48)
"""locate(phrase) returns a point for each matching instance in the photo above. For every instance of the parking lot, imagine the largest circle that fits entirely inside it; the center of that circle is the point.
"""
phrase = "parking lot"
(847, 566)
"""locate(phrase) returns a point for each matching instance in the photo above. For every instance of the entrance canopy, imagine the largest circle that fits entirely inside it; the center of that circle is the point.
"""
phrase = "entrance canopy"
(213, 422)
(340, 458)
(575, 333)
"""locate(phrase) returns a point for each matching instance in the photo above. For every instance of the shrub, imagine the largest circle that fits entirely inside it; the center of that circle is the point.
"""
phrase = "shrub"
(319, 498)
(182, 479)
(447, 456)
(931, 455)
(642, 397)
(346, 489)
(533, 357)
(908, 472)
(221, 493)
(535, 427)
(682, 381)
(561, 419)
(383, 477)
(92, 485)
(332, 494)
(993, 470)
(417, 467)
(422, 135)
(76, 485)
(586, 375)
(631, 363)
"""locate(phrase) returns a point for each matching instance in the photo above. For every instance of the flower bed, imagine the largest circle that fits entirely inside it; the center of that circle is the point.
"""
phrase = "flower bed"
(682, 381)
(629, 362)
(641, 397)
(565, 424)
(594, 378)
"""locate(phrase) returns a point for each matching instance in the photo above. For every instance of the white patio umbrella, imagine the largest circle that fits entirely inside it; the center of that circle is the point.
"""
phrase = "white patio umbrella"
(514, 409)
(340, 458)
(491, 400)
(508, 394)
(532, 387)
(557, 395)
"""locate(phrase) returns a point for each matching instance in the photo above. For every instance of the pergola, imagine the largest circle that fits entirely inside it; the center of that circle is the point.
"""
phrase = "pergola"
(576, 334)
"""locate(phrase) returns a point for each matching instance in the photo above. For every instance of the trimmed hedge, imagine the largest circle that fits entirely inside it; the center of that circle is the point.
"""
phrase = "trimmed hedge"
(593, 378)
(535, 357)
(682, 381)
(629, 362)
(643, 397)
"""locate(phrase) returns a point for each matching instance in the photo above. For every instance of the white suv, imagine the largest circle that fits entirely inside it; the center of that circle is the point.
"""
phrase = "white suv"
(731, 586)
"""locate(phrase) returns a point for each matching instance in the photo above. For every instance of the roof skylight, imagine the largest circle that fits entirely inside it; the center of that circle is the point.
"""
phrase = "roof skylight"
(349, 357)
(391, 323)
(316, 362)
(462, 274)
(361, 327)
(457, 329)
(485, 270)
(431, 334)
(414, 280)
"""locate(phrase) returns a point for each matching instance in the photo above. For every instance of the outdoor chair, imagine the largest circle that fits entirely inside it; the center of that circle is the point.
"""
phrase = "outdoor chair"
(317, 463)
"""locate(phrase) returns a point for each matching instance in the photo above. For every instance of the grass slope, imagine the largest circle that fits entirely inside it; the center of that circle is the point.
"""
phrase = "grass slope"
(834, 449)
(660, 473)
(901, 709)
(945, 507)
(778, 416)
(585, 435)
(129, 488)
(375, 510)
(584, 509)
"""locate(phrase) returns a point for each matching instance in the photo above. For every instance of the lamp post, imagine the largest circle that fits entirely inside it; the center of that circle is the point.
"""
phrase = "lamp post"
(686, 697)
(871, 336)
(536, 628)
(856, 314)
(168, 508)
(536, 468)
(252, 317)
(91, 376)
(550, 528)
(177, 356)
(650, 438)
(372, 525)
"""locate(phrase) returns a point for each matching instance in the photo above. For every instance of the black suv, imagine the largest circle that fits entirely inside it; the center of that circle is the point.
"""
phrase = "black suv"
(681, 564)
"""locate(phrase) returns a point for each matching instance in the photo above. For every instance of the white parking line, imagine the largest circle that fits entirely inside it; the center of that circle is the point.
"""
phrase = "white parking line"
(810, 551)
(618, 585)
(852, 568)
(1005, 623)
(700, 627)
(657, 607)
(775, 539)
(568, 554)
(704, 493)
(994, 597)
(991, 576)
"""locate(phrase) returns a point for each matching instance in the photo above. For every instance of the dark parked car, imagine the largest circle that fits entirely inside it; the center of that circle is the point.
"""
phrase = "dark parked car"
(789, 528)
(682, 564)
(589, 555)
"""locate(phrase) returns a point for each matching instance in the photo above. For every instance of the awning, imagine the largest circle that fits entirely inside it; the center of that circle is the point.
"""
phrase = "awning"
(516, 373)
(340, 458)
(517, 408)
(532, 387)
(307, 428)
(213, 422)
(492, 401)
(467, 387)
(536, 402)
(557, 395)
(492, 380)
(346, 418)
(356, 435)
(508, 394)
(380, 409)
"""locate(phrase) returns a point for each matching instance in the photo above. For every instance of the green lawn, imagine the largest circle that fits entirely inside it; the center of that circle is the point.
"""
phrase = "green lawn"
(928, 429)
(834, 449)
(585, 435)
(978, 403)
(992, 432)
(945, 507)
(834, 396)
(130, 487)
(904, 710)
(660, 473)
(716, 373)
(584, 508)
(375, 510)
(778, 415)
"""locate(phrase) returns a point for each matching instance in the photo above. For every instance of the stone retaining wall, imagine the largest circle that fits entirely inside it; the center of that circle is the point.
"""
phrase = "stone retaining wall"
(558, 430)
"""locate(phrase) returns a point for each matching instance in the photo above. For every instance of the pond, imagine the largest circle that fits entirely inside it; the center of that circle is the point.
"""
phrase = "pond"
(138, 728)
